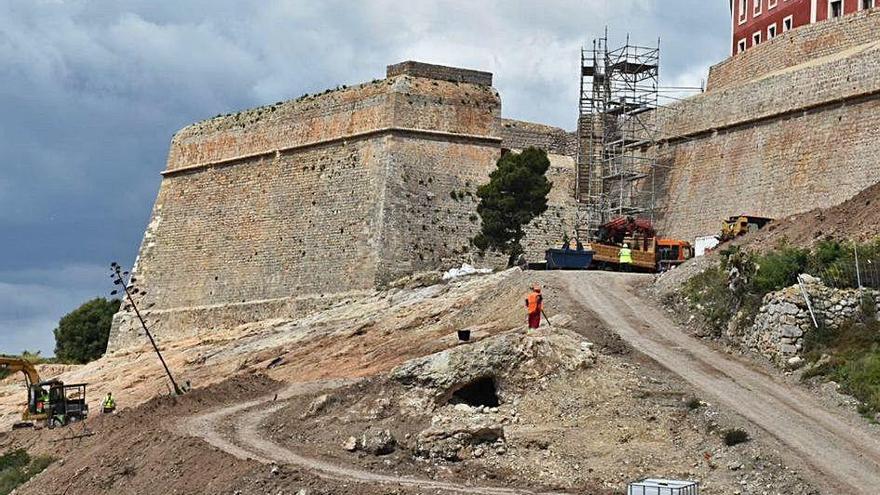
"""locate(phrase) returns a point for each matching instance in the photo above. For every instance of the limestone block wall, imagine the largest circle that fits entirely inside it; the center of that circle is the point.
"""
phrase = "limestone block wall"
(430, 209)
(296, 206)
(796, 47)
(519, 135)
(788, 142)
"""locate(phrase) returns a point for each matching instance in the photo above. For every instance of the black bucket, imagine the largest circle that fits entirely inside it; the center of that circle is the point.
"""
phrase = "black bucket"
(464, 335)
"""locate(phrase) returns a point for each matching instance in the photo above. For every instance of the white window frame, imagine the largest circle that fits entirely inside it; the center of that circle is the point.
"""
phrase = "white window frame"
(741, 45)
(831, 2)
(862, 4)
(756, 8)
(756, 38)
(771, 4)
(788, 24)
(743, 11)
(771, 31)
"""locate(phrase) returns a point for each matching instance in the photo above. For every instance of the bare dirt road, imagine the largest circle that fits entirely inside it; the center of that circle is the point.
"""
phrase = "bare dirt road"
(237, 430)
(844, 453)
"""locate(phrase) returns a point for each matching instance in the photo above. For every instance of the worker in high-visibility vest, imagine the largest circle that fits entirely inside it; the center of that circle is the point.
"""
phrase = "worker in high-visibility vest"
(625, 258)
(109, 404)
(534, 305)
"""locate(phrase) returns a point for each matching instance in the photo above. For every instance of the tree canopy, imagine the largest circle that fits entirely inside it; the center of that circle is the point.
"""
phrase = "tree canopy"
(515, 195)
(82, 334)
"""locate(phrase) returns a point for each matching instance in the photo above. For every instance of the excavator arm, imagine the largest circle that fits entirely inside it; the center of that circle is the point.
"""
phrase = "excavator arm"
(15, 365)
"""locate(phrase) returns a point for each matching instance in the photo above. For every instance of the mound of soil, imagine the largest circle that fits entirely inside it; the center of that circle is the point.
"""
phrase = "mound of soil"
(857, 218)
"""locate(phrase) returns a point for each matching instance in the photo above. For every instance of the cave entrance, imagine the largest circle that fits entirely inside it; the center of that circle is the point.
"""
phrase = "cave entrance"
(480, 392)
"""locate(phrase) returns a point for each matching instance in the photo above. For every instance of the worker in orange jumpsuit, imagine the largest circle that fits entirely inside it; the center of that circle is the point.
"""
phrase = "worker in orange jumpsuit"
(535, 305)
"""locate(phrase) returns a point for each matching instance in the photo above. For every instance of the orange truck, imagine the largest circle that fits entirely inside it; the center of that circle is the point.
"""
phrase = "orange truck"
(649, 253)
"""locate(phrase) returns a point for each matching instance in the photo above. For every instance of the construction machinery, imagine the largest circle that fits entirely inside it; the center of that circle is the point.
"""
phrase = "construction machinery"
(51, 402)
(740, 225)
(649, 253)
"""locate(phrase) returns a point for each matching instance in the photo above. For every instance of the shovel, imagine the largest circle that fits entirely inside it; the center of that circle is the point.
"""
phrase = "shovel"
(548, 319)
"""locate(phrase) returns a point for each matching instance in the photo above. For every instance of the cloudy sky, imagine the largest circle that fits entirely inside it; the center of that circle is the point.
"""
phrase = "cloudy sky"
(91, 92)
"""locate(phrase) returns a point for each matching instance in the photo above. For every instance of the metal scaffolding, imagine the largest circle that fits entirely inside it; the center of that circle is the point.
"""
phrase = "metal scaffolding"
(617, 133)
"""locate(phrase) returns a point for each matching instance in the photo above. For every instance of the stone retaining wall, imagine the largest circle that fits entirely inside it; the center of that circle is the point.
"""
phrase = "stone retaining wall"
(784, 319)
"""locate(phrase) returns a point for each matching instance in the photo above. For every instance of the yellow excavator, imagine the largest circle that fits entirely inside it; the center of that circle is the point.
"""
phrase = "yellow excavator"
(51, 402)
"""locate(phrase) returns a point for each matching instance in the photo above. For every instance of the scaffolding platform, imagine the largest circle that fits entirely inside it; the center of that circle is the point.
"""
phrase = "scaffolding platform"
(617, 133)
(618, 109)
(634, 68)
(624, 175)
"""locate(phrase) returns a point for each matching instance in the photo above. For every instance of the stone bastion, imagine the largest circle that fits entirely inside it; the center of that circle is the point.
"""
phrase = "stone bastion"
(289, 208)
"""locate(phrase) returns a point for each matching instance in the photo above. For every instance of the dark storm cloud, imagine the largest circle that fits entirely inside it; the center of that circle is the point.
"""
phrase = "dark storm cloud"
(91, 92)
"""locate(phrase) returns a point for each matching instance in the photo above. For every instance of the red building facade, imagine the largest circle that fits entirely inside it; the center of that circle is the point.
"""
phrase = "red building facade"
(756, 21)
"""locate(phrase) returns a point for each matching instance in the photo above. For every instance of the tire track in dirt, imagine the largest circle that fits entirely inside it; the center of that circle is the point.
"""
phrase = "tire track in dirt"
(845, 454)
(236, 430)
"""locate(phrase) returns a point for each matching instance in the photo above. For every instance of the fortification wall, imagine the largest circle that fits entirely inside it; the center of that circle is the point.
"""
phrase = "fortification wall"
(291, 208)
(796, 47)
(786, 142)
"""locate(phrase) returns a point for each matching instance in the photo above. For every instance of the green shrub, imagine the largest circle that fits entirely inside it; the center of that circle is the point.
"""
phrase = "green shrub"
(868, 307)
(853, 362)
(779, 269)
(710, 296)
(694, 403)
(735, 436)
(14, 460)
(851, 338)
(825, 254)
(859, 376)
(17, 467)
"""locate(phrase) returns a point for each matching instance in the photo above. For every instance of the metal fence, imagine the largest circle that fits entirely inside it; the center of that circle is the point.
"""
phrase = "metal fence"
(852, 275)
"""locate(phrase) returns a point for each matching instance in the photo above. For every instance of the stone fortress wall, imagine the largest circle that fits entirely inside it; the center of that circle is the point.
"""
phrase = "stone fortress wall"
(300, 205)
(296, 206)
(783, 128)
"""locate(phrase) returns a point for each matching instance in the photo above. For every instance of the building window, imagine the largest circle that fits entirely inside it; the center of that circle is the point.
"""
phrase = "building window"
(866, 4)
(757, 11)
(756, 39)
(787, 23)
(772, 4)
(743, 10)
(835, 8)
(771, 31)
(741, 46)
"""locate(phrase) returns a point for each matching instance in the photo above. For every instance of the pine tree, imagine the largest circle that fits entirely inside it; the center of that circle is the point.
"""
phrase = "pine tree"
(515, 195)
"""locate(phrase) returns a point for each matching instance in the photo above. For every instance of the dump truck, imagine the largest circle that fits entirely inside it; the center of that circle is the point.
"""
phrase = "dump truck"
(51, 402)
(741, 225)
(649, 253)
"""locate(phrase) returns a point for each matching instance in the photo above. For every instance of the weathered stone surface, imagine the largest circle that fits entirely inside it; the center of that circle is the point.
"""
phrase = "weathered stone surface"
(505, 358)
(796, 47)
(791, 331)
(784, 320)
(452, 433)
(377, 441)
(286, 209)
(750, 146)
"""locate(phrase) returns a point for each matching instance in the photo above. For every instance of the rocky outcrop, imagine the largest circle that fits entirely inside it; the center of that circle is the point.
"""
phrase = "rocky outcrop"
(501, 362)
(462, 431)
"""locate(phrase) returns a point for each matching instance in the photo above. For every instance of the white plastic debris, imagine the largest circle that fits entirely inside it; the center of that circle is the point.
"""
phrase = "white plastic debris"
(464, 271)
